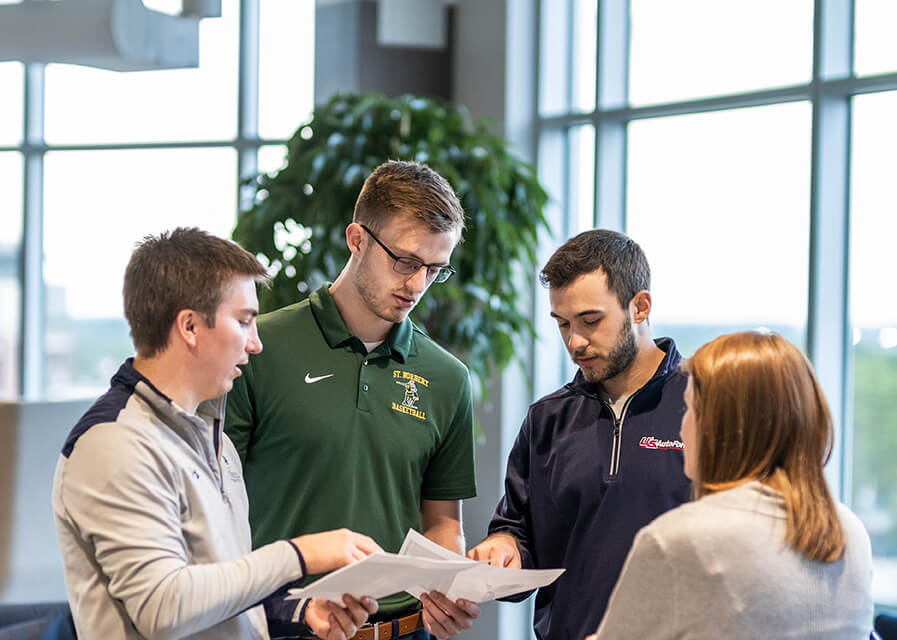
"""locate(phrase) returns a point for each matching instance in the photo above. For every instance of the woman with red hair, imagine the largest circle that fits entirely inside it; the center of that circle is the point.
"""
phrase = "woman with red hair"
(764, 551)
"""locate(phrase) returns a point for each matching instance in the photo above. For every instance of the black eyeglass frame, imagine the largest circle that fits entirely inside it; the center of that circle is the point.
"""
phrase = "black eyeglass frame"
(413, 265)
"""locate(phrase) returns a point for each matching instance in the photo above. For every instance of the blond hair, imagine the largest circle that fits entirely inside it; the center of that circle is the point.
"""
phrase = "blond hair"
(409, 188)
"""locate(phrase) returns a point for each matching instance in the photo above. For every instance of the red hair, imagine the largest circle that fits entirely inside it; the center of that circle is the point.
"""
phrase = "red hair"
(760, 414)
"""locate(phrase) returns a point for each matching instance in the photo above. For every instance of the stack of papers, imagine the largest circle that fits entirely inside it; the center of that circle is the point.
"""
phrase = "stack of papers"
(421, 566)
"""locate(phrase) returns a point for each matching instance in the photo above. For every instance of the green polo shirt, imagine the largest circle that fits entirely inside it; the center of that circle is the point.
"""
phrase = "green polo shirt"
(331, 436)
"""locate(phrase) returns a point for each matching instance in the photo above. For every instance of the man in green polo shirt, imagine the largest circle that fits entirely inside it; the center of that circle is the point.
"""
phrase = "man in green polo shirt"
(352, 416)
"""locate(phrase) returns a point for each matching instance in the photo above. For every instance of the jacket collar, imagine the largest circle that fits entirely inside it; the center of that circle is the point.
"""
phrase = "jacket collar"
(336, 333)
(209, 413)
(670, 364)
(128, 377)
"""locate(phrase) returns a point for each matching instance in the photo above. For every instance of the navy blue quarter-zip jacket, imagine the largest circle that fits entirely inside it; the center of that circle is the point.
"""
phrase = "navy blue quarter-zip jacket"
(580, 484)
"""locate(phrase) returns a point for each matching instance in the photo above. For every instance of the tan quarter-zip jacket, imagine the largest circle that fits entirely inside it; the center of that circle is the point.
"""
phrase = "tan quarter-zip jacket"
(152, 520)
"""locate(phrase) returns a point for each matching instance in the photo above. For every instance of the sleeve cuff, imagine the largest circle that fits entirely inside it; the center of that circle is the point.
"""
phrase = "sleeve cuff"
(299, 613)
(302, 566)
(286, 618)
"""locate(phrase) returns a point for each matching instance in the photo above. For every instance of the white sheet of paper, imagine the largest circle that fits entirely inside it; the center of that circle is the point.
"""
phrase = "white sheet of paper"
(420, 566)
(378, 575)
(479, 582)
(417, 545)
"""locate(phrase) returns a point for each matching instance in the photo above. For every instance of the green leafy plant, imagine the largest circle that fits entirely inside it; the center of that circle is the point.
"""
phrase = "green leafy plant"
(297, 222)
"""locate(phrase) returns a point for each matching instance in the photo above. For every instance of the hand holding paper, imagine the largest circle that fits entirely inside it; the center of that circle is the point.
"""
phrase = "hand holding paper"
(478, 582)
(331, 550)
(445, 618)
(499, 550)
(422, 566)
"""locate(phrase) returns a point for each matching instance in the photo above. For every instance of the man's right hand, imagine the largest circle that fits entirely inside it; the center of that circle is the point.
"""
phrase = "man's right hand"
(499, 550)
(331, 550)
(334, 622)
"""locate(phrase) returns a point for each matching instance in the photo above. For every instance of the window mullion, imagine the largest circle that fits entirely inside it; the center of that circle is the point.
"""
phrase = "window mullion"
(33, 307)
(828, 328)
(248, 100)
(610, 135)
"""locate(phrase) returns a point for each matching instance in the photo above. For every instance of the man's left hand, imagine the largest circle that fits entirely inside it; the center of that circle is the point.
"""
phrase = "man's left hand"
(444, 618)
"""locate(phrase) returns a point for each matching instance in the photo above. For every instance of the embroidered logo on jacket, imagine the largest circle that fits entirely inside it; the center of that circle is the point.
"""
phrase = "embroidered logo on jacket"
(411, 383)
(650, 442)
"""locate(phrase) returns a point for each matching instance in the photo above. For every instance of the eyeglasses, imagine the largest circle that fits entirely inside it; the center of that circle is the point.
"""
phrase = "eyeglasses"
(410, 266)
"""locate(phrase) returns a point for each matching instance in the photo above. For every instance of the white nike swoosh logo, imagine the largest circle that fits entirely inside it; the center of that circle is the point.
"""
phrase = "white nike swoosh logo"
(310, 380)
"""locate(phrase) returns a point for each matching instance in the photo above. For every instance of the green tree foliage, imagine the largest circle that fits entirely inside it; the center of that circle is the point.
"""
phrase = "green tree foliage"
(875, 437)
(298, 220)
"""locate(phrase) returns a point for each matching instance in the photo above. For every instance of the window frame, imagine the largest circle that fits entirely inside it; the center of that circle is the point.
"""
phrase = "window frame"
(829, 91)
(33, 147)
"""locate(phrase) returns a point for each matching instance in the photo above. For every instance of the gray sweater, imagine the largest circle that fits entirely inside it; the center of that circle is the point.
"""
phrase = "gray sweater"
(718, 568)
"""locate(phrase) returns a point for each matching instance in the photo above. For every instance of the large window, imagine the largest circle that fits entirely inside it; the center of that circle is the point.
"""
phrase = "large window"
(873, 312)
(695, 207)
(874, 50)
(749, 147)
(143, 191)
(11, 110)
(86, 105)
(10, 239)
(286, 67)
(702, 48)
(117, 156)
(11, 105)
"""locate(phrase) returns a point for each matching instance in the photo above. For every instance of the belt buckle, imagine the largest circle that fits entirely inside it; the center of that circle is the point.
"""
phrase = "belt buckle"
(376, 631)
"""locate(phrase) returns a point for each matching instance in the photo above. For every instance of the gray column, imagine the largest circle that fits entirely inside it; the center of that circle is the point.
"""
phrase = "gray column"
(349, 58)
(495, 62)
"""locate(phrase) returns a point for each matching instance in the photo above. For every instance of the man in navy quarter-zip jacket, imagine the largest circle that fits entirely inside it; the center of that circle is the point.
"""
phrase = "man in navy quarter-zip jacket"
(601, 457)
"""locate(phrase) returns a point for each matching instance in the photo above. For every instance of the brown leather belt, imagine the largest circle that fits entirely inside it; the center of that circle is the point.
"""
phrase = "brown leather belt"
(384, 630)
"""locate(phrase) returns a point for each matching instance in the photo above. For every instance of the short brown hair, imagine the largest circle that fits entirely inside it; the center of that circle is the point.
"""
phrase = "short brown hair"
(398, 187)
(620, 258)
(760, 414)
(186, 268)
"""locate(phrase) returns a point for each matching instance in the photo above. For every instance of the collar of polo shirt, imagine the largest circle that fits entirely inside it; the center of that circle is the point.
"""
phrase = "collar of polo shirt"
(399, 341)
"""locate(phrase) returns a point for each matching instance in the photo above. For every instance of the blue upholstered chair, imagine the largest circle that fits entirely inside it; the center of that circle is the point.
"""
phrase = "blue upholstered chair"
(40, 621)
